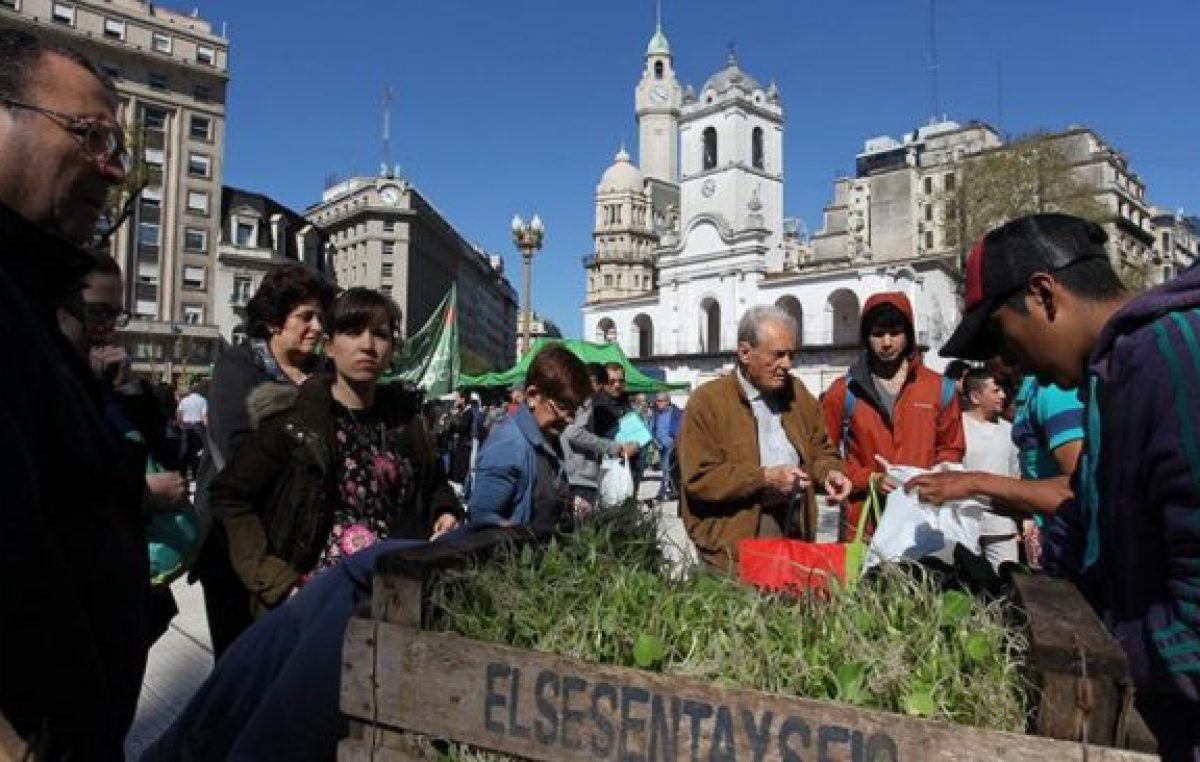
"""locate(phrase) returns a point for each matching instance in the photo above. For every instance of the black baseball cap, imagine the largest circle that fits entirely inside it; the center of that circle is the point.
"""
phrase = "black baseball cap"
(1003, 261)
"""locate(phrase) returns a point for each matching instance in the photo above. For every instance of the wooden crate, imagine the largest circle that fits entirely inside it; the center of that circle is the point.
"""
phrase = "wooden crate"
(399, 681)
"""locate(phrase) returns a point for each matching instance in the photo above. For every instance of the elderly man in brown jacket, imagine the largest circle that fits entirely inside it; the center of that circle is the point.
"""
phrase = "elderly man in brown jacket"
(751, 438)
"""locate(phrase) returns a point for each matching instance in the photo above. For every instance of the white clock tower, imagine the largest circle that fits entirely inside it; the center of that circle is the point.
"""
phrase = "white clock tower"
(657, 101)
(732, 136)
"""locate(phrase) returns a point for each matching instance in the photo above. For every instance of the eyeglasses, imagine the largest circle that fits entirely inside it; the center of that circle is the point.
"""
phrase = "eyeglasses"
(99, 140)
(100, 314)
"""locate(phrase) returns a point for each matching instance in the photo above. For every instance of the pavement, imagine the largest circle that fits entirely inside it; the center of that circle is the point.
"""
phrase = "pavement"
(181, 660)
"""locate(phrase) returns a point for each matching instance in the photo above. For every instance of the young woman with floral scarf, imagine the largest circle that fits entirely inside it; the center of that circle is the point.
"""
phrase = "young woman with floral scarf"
(334, 465)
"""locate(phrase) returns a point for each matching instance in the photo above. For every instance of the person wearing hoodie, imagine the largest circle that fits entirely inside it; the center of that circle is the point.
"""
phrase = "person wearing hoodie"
(1043, 287)
(890, 408)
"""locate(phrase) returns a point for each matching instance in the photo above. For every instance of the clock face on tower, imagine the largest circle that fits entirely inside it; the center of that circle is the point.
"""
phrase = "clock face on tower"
(390, 195)
(660, 94)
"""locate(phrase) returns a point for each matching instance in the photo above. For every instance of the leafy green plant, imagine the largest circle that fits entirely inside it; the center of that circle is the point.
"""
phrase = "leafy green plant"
(895, 642)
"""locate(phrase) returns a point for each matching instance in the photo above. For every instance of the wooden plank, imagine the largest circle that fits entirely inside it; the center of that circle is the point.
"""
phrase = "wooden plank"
(547, 707)
(397, 600)
(1061, 622)
(354, 750)
(1067, 640)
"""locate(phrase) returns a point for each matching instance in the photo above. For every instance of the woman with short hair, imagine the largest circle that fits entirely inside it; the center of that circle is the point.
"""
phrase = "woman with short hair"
(520, 477)
(284, 329)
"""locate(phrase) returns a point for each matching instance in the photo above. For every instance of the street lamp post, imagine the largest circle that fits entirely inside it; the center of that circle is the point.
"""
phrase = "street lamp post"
(528, 238)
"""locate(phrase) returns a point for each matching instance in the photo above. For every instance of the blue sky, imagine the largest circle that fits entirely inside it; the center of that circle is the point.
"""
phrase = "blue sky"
(519, 106)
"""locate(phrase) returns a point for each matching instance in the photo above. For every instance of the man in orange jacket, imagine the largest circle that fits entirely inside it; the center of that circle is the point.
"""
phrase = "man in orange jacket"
(889, 407)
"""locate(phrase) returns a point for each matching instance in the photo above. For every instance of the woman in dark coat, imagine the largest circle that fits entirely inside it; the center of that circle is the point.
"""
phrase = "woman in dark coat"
(335, 464)
(275, 694)
(284, 326)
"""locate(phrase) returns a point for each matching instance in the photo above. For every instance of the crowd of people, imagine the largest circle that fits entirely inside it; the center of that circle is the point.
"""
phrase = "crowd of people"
(1073, 416)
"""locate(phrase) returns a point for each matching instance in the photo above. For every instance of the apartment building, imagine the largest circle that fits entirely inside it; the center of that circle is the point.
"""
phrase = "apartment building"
(171, 73)
(383, 234)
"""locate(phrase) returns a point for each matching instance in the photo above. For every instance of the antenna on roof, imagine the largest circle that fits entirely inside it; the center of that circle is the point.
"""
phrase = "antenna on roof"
(999, 94)
(935, 105)
(658, 15)
(386, 154)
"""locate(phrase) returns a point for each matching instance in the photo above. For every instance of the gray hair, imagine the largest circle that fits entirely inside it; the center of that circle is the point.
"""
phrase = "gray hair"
(749, 327)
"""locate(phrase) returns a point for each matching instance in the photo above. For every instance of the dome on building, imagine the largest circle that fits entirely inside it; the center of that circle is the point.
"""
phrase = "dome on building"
(731, 76)
(658, 45)
(622, 175)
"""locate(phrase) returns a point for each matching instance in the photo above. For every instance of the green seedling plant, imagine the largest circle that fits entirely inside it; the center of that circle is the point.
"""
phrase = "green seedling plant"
(602, 594)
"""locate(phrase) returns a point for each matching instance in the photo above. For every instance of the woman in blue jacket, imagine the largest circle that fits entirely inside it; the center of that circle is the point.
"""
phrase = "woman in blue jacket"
(520, 479)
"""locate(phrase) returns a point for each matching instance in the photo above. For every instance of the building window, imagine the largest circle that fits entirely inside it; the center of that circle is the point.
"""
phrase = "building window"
(385, 270)
(389, 248)
(195, 239)
(929, 240)
(243, 289)
(202, 93)
(193, 314)
(197, 202)
(194, 277)
(14, 4)
(200, 128)
(114, 29)
(157, 81)
(756, 148)
(154, 157)
(389, 226)
(199, 165)
(929, 212)
(63, 14)
(147, 273)
(948, 182)
(154, 119)
(608, 280)
(206, 55)
(658, 70)
(1166, 243)
(244, 233)
(161, 42)
(928, 185)
(149, 234)
(710, 147)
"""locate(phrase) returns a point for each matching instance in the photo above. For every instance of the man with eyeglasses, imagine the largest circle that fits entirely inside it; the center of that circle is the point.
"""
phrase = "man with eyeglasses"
(753, 446)
(72, 554)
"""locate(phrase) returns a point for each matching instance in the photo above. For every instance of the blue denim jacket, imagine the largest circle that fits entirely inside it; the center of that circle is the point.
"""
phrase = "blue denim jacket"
(502, 492)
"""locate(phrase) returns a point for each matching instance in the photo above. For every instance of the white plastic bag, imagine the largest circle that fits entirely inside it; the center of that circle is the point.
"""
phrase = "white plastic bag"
(915, 530)
(616, 482)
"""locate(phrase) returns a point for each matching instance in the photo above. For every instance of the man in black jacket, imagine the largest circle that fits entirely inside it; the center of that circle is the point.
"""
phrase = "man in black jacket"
(72, 556)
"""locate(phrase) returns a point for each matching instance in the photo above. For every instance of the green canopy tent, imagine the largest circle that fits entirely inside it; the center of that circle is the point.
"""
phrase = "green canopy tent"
(635, 380)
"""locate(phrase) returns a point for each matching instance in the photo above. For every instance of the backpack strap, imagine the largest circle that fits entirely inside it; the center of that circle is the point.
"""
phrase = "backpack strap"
(948, 391)
(847, 412)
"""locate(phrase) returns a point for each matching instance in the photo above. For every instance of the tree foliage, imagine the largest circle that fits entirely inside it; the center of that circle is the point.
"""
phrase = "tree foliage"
(1030, 175)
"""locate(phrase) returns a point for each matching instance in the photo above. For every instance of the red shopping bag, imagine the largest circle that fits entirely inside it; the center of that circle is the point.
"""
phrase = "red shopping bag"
(784, 565)
(779, 564)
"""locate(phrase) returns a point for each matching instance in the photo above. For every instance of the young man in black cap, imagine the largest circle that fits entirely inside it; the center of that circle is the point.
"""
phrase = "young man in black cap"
(1043, 288)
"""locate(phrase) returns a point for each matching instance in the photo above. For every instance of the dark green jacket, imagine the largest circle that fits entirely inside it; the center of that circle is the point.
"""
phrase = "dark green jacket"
(277, 495)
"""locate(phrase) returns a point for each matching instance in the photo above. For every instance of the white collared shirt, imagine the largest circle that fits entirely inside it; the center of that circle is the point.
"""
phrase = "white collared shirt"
(774, 448)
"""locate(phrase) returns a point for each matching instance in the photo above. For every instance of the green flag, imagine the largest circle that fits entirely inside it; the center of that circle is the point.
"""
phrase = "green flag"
(429, 358)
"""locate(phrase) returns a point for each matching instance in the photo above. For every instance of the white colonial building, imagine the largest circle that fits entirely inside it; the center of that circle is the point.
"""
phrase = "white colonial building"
(689, 241)
(684, 245)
